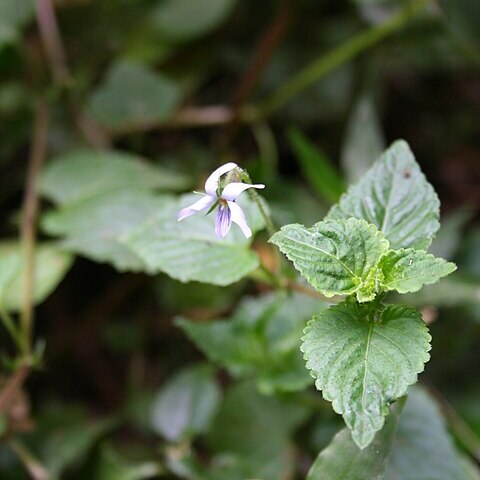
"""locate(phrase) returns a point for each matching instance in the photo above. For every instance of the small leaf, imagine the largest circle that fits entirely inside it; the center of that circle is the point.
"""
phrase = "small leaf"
(132, 94)
(185, 406)
(408, 270)
(395, 196)
(79, 175)
(343, 459)
(181, 20)
(423, 449)
(316, 167)
(363, 142)
(336, 257)
(365, 359)
(190, 250)
(51, 265)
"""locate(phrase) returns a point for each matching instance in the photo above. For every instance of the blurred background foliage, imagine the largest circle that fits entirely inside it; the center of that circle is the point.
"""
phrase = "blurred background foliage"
(125, 102)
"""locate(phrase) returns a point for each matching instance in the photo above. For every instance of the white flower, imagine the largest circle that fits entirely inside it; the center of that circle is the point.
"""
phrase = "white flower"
(228, 210)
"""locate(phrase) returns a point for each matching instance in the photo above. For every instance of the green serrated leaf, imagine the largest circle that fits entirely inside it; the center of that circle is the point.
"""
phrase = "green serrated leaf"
(343, 459)
(336, 257)
(408, 270)
(131, 94)
(82, 174)
(364, 359)
(185, 406)
(190, 250)
(51, 265)
(395, 196)
(316, 167)
(423, 449)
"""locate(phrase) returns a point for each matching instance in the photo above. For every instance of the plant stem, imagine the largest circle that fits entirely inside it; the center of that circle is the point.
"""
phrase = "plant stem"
(12, 386)
(29, 218)
(51, 39)
(336, 57)
(256, 198)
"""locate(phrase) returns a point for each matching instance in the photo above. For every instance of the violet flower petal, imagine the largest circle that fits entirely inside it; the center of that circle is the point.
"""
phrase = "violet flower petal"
(234, 189)
(211, 184)
(238, 217)
(223, 221)
(205, 202)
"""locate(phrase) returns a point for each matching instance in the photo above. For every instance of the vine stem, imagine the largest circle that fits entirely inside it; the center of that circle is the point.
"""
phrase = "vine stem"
(29, 218)
(336, 57)
(51, 39)
(50, 33)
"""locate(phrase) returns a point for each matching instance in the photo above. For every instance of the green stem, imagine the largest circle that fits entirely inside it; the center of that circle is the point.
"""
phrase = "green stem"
(29, 219)
(335, 58)
(263, 211)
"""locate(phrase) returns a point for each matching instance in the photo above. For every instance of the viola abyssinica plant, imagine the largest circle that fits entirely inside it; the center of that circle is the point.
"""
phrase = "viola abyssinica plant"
(222, 195)
(364, 351)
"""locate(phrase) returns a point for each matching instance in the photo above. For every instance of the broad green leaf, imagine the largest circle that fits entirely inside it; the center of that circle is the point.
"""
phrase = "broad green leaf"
(363, 359)
(408, 270)
(363, 142)
(181, 20)
(343, 459)
(256, 429)
(395, 196)
(131, 94)
(336, 257)
(93, 227)
(83, 174)
(190, 250)
(262, 338)
(185, 406)
(423, 449)
(51, 265)
(112, 466)
(316, 167)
